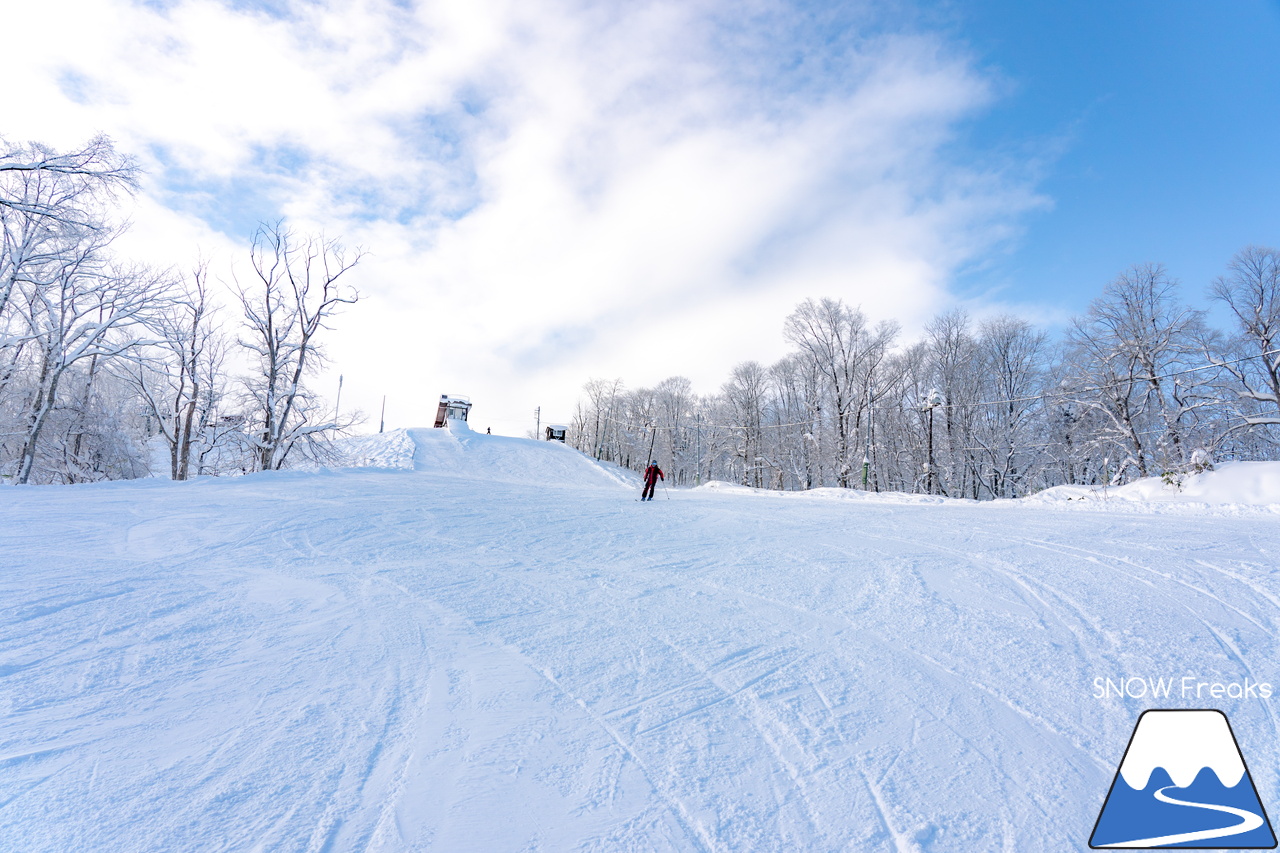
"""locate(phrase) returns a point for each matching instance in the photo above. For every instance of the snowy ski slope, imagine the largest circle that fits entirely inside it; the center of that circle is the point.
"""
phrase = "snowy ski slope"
(493, 647)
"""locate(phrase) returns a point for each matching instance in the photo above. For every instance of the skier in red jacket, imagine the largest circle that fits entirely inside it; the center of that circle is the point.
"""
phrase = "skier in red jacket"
(651, 475)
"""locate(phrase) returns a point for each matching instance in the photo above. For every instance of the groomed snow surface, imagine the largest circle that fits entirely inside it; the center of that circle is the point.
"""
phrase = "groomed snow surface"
(487, 644)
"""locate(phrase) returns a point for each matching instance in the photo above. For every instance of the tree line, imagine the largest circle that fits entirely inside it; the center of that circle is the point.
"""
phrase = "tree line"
(103, 359)
(1138, 385)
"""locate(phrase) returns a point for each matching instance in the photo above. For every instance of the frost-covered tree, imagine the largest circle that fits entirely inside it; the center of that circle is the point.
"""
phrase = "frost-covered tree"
(1251, 289)
(69, 314)
(295, 287)
(50, 203)
(674, 405)
(48, 186)
(745, 395)
(79, 313)
(954, 372)
(179, 376)
(837, 341)
(797, 433)
(597, 418)
(1011, 356)
(1131, 355)
(98, 356)
(1137, 386)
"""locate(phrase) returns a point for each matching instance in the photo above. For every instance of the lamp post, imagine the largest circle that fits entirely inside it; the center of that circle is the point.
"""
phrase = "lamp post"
(871, 436)
(933, 400)
(697, 473)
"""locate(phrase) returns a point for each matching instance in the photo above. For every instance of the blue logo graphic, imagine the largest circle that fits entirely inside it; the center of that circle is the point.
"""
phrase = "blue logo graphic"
(1183, 784)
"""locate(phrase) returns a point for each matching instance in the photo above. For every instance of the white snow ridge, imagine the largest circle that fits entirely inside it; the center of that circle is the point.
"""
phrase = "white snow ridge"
(1183, 743)
(477, 643)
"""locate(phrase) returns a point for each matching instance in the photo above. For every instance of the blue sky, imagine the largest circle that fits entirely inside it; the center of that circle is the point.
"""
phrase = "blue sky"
(1158, 123)
(555, 190)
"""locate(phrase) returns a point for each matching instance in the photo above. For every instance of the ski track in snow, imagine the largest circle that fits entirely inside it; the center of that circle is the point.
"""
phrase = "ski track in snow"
(449, 659)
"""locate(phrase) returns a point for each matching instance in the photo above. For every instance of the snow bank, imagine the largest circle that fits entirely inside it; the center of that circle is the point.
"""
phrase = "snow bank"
(831, 494)
(1231, 486)
(1235, 489)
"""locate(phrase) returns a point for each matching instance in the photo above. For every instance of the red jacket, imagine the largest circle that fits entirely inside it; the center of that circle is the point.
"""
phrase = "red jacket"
(651, 475)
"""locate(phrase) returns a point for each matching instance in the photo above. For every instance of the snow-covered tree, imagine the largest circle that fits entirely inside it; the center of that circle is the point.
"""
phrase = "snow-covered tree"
(295, 286)
(797, 434)
(1251, 289)
(837, 341)
(56, 187)
(674, 404)
(1138, 386)
(78, 313)
(1130, 355)
(179, 378)
(1012, 359)
(745, 395)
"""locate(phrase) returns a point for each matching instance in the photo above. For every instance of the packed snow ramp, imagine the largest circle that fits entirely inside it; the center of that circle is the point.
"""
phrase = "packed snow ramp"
(458, 450)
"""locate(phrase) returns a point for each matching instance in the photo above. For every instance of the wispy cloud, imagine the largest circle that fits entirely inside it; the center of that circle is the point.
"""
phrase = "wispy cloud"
(551, 189)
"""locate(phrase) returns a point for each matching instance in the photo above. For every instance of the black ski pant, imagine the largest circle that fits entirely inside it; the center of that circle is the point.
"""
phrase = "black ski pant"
(647, 494)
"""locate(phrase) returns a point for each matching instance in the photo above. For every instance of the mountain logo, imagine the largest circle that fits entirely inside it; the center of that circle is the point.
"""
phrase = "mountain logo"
(1183, 784)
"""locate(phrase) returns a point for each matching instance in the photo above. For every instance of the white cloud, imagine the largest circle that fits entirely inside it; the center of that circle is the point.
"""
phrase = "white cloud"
(550, 190)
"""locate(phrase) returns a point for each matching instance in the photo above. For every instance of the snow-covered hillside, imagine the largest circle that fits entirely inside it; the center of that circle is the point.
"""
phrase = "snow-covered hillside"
(494, 647)
(459, 452)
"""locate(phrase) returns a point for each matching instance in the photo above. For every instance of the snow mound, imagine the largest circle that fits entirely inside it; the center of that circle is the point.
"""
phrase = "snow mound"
(459, 451)
(1229, 484)
(382, 450)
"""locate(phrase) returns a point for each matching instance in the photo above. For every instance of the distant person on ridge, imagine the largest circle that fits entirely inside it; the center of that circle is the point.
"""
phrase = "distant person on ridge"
(651, 475)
